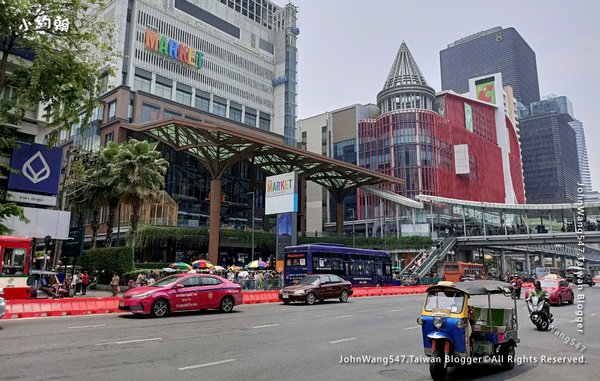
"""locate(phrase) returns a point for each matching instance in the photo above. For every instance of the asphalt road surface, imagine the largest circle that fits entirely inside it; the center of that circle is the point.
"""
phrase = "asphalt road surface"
(279, 342)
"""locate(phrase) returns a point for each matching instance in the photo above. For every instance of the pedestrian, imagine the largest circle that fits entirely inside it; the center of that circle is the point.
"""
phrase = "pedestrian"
(114, 283)
(267, 279)
(75, 283)
(85, 281)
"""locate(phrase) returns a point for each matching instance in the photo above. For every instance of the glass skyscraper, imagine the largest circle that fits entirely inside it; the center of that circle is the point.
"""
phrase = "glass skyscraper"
(491, 51)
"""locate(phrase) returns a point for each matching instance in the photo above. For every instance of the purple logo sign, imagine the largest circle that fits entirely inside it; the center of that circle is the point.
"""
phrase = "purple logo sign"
(38, 166)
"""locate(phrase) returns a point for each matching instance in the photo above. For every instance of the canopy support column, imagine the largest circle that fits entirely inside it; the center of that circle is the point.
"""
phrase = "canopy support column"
(215, 220)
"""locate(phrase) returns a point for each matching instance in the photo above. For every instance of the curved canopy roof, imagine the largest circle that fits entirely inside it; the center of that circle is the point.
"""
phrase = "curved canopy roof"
(219, 143)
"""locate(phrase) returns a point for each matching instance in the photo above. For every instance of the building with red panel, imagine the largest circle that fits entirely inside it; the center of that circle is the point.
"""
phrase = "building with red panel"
(447, 145)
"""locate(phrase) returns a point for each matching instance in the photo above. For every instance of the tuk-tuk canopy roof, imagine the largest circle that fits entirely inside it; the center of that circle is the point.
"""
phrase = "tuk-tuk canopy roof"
(477, 287)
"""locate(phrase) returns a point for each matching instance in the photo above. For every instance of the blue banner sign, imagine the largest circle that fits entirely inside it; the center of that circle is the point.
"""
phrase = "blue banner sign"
(39, 169)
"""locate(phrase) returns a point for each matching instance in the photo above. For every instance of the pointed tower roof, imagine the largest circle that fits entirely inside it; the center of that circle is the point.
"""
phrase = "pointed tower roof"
(404, 70)
(405, 87)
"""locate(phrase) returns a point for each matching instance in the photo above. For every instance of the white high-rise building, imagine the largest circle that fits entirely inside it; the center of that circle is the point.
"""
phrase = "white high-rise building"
(582, 156)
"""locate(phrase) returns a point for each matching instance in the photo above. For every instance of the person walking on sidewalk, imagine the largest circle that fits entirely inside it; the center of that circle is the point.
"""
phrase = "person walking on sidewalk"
(114, 283)
(85, 281)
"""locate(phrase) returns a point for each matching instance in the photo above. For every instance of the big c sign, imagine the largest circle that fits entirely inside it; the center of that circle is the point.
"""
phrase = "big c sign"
(38, 169)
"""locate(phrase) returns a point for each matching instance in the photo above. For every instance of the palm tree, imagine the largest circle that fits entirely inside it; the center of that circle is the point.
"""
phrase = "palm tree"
(109, 196)
(138, 173)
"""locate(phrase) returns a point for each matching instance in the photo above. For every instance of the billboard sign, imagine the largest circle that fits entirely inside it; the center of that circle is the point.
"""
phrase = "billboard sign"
(468, 117)
(41, 222)
(38, 166)
(485, 90)
(281, 195)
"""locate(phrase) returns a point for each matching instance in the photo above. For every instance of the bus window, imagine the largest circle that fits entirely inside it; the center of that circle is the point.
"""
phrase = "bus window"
(369, 268)
(336, 264)
(321, 262)
(358, 267)
(295, 259)
(13, 260)
(378, 267)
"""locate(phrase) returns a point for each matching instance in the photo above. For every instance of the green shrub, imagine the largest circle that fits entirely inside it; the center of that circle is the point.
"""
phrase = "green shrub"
(151, 265)
(104, 262)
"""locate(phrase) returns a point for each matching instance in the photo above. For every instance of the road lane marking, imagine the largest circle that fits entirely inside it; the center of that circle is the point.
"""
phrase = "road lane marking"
(415, 327)
(87, 326)
(282, 309)
(340, 317)
(593, 314)
(572, 321)
(402, 309)
(266, 325)
(130, 341)
(207, 364)
(342, 340)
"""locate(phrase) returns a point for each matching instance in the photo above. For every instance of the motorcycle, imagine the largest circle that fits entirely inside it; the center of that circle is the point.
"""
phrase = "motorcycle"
(537, 313)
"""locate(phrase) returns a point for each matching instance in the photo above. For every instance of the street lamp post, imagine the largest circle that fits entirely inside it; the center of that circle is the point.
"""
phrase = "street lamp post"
(252, 193)
(353, 231)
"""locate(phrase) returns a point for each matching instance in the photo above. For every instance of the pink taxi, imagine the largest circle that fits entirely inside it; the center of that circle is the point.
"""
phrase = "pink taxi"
(183, 292)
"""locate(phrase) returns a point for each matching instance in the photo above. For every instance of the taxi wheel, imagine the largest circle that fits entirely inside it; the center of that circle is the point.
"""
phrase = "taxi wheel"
(572, 300)
(508, 356)
(560, 301)
(160, 308)
(286, 302)
(437, 368)
(344, 296)
(227, 304)
(310, 299)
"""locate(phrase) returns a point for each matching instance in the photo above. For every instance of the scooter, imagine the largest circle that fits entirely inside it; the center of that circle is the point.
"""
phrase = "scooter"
(538, 314)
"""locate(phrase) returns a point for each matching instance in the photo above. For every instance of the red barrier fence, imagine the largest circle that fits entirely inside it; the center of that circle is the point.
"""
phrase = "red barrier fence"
(24, 308)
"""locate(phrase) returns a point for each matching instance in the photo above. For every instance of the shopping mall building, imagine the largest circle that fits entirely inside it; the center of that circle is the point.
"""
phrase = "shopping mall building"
(457, 146)
(231, 60)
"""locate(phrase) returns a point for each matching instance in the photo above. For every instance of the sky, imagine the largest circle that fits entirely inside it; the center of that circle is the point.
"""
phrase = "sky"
(346, 48)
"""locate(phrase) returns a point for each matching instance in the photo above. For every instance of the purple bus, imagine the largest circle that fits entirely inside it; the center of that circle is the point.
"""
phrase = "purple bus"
(362, 267)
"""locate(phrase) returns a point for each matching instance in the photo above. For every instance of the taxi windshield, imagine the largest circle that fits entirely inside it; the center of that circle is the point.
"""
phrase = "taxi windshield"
(167, 281)
(446, 300)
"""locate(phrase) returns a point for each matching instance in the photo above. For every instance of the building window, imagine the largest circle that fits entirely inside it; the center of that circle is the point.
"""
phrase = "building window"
(219, 108)
(109, 138)
(250, 120)
(163, 91)
(183, 97)
(171, 114)
(102, 84)
(202, 103)
(264, 123)
(112, 111)
(149, 113)
(142, 84)
(235, 114)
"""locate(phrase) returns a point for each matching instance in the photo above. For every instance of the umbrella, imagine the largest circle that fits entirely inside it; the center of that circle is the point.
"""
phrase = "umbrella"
(168, 270)
(552, 276)
(202, 264)
(180, 265)
(218, 268)
(258, 264)
(234, 268)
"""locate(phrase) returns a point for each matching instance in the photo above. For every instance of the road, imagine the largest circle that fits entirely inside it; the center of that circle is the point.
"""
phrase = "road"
(276, 342)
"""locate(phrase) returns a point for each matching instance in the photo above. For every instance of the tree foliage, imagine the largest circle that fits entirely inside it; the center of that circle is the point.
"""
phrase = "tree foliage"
(107, 261)
(138, 174)
(50, 62)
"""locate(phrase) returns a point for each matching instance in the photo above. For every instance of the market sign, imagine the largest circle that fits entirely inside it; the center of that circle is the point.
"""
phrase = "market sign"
(281, 194)
(172, 48)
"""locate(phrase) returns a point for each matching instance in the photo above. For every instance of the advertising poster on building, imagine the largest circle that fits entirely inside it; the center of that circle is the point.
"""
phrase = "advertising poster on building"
(39, 169)
(281, 193)
(286, 232)
(468, 117)
(485, 90)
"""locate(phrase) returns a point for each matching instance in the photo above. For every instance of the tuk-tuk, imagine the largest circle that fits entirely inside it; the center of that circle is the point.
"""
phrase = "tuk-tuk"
(456, 332)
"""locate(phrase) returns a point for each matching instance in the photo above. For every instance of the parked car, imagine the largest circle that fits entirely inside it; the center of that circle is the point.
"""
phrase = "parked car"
(560, 291)
(317, 287)
(408, 280)
(183, 292)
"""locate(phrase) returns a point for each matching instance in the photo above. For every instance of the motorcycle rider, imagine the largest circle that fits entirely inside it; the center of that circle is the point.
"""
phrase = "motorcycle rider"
(541, 294)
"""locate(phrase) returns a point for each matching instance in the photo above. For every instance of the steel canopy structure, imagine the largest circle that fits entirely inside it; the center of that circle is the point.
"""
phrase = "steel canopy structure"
(219, 143)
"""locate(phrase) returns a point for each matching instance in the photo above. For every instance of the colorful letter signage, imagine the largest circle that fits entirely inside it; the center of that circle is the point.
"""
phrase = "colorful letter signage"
(172, 48)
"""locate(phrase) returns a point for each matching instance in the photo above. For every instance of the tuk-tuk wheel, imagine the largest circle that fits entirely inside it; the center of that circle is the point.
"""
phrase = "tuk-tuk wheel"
(508, 356)
(437, 367)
